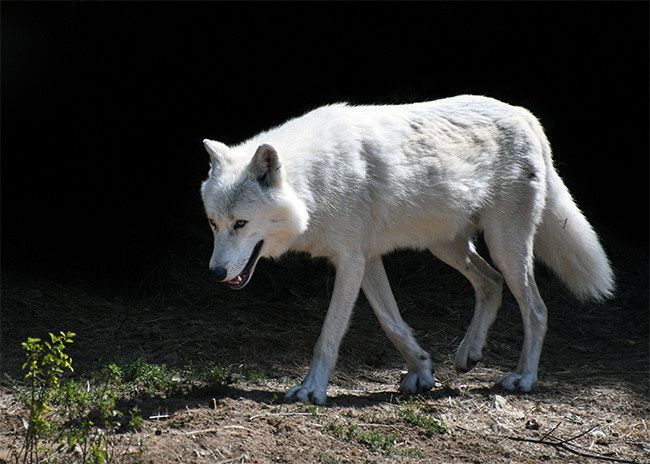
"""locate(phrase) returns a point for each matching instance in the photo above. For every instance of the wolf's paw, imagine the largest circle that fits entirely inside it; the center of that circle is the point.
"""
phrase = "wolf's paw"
(307, 394)
(514, 381)
(467, 356)
(417, 382)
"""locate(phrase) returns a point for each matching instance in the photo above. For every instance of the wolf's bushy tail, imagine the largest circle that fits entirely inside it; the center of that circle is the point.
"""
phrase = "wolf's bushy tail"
(567, 243)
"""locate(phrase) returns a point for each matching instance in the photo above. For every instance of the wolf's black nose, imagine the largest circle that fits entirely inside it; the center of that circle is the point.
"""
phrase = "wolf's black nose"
(219, 273)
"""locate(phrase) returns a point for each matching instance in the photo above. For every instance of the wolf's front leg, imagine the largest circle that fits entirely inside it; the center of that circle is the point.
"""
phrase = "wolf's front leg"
(377, 289)
(349, 273)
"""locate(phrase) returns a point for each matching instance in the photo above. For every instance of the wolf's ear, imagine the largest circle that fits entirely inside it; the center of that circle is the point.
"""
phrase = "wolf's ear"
(266, 166)
(217, 152)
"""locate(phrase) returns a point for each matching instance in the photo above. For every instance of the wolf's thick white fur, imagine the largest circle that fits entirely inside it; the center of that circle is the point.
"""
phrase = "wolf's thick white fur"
(352, 183)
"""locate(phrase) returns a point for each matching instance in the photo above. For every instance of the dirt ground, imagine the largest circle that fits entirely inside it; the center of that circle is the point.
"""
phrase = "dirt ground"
(592, 404)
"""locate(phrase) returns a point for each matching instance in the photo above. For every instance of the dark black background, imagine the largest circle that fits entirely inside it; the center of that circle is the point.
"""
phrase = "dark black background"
(105, 105)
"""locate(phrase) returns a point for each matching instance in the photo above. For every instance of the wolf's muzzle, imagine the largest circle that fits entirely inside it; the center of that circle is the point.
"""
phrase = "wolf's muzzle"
(241, 280)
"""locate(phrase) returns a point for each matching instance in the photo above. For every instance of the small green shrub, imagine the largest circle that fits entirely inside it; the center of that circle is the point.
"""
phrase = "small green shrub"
(376, 441)
(373, 440)
(324, 457)
(142, 375)
(78, 420)
(68, 421)
(45, 366)
(208, 379)
(139, 377)
(429, 424)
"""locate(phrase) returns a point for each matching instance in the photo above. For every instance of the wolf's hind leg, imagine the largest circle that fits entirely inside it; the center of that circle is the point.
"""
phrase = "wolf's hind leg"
(376, 287)
(349, 273)
(488, 285)
(514, 257)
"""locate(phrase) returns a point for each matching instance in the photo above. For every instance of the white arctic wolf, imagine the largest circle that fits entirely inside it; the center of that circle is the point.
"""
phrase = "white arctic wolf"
(353, 182)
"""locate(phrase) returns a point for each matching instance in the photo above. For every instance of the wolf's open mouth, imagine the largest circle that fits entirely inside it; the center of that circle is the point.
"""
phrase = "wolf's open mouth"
(243, 277)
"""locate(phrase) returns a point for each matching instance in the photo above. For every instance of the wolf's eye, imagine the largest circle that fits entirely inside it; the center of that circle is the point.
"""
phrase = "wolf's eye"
(240, 223)
(213, 225)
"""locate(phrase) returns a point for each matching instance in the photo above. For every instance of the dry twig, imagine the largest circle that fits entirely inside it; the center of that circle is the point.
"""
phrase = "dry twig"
(562, 444)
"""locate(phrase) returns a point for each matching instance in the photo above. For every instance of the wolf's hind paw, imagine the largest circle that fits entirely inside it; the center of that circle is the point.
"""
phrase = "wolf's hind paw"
(305, 394)
(464, 364)
(514, 381)
(468, 355)
(417, 382)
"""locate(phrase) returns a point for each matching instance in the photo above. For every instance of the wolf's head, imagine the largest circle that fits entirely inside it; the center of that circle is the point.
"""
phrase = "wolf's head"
(252, 210)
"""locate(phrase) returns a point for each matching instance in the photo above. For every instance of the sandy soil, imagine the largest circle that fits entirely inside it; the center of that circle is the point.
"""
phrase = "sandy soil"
(592, 403)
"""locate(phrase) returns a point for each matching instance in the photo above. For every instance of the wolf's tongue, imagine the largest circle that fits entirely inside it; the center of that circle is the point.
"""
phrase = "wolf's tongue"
(236, 280)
